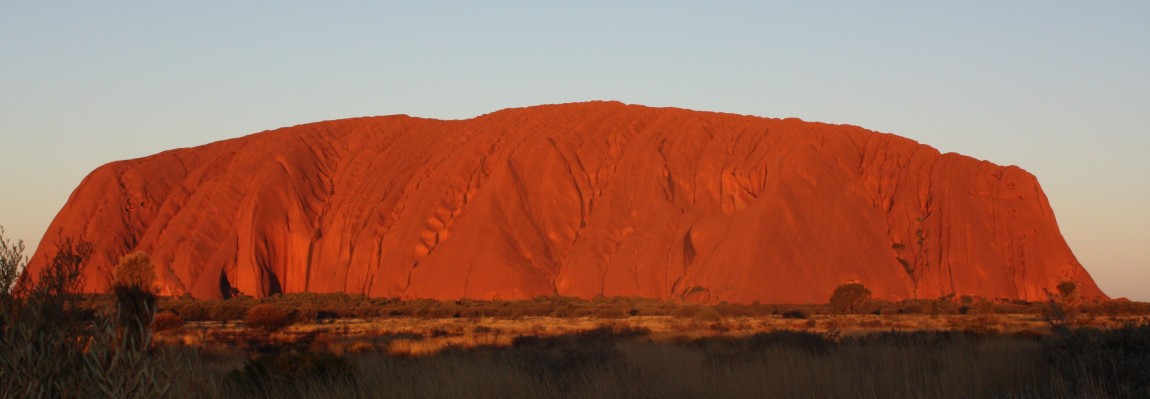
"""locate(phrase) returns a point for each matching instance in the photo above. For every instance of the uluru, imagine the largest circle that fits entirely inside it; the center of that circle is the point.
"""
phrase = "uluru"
(583, 199)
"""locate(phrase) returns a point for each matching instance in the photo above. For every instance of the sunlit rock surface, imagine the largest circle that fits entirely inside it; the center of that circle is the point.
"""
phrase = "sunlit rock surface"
(582, 200)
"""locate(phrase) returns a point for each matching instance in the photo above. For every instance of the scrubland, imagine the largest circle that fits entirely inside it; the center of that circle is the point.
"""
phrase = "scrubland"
(337, 345)
(60, 344)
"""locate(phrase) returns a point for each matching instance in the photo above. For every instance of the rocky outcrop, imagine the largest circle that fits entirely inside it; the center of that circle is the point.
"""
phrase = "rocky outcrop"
(582, 200)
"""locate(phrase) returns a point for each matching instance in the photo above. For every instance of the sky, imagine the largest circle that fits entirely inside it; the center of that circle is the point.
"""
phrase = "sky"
(1061, 89)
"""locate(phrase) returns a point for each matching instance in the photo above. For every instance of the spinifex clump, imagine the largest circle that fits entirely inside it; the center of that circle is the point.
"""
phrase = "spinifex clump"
(133, 284)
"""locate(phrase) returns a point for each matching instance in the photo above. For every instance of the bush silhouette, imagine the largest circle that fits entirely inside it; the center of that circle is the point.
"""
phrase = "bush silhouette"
(228, 310)
(167, 321)
(135, 271)
(849, 297)
(795, 314)
(707, 314)
(270, 318)
(133, 283)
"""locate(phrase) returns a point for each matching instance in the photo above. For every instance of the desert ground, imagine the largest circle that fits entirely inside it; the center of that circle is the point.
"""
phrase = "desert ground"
(131, 343)
(343, 346)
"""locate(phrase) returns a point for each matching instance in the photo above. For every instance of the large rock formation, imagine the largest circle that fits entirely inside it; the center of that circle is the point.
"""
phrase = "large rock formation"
(582, 200)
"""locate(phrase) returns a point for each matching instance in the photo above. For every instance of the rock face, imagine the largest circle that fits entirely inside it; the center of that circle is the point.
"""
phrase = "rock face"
(582, 200)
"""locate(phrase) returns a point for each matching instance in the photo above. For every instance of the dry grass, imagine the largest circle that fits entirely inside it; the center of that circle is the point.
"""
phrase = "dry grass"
(866, 356)
(56, 343)
(602, 364)
(415, 336)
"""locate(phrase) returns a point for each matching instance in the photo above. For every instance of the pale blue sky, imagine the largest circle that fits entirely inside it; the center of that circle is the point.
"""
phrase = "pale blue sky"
(1059, 88)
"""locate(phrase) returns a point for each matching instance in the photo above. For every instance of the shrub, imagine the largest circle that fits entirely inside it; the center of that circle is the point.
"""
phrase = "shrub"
(1122, 306)
(135, 271)
(732, 310)
(326, 316)
(192, 311)
(889, 310)
(133, 283)
(610, 313)
(1067, 298)
(684, 312)
(914, 308)
(167, 321)
(707, 314)
(1068, 291)
(270, 318)
(849, 297)
(225, 311)
(795, 314)
(564, 311)
(12, 261)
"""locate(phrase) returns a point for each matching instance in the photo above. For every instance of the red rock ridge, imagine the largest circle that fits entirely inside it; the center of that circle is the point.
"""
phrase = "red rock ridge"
(582, 199)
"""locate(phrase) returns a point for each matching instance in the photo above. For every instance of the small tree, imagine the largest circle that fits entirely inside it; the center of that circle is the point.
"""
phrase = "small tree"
(1064, 306)
(1068, 292)
(848, 297)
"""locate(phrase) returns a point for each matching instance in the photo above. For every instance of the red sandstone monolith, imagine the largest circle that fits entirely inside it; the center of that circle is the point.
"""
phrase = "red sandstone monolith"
(584, 200)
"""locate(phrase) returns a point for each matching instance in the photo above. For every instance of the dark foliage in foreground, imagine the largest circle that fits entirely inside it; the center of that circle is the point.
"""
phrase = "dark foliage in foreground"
(607, 363)
(51, 347)
(269, 371)
(1121, 356)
